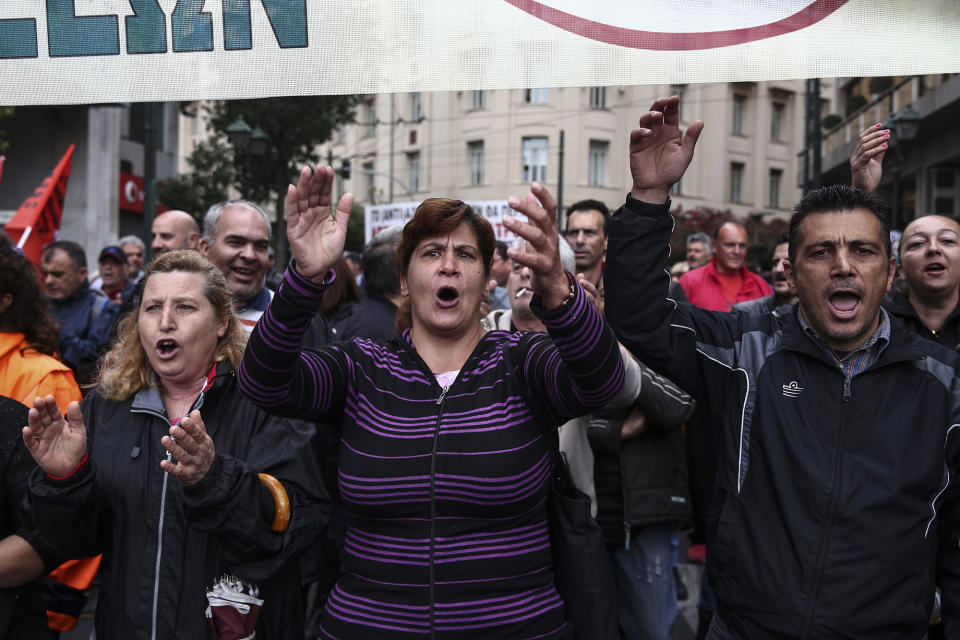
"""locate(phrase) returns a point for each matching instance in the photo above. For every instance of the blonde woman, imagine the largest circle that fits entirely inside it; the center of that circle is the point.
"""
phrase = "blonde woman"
(158, 469)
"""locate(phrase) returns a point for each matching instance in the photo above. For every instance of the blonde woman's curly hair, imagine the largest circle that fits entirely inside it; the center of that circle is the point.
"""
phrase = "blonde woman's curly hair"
(125, 369)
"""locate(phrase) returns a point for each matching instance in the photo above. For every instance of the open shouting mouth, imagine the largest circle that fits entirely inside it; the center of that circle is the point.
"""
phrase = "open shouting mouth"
(447, 297)
(844, 303)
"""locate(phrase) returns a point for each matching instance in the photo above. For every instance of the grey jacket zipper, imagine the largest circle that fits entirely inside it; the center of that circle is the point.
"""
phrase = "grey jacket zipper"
(198, 403)
(156, 576)
(163, 510)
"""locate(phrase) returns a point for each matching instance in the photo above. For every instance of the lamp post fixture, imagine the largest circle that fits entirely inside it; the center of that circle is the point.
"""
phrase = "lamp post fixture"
(904, 126)
(757, 217)
(247, 144)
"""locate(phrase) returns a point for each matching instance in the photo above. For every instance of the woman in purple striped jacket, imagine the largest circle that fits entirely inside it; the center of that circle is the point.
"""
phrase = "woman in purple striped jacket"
(444, 463)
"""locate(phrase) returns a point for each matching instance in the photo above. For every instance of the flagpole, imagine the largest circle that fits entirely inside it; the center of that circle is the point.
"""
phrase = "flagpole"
(24, 237)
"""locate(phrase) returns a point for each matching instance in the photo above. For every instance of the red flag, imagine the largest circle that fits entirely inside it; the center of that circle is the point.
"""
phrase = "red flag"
(36, 222)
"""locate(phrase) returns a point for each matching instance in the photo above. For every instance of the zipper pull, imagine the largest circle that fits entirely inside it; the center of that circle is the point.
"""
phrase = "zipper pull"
(443, 394)
(626, 533)
(846, 388)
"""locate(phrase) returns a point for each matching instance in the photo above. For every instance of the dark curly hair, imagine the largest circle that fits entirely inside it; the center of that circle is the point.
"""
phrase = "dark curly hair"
(28, 312)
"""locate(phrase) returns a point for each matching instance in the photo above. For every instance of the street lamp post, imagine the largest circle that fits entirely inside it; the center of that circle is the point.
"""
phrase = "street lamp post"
(904, 125)
(247, 144)
(757, 217)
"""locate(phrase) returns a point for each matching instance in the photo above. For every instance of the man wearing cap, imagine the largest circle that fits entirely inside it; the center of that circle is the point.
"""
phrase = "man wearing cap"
(113, 274)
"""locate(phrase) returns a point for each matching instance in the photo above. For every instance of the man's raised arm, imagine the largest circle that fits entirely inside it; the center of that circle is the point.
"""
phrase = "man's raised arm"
(636, 277)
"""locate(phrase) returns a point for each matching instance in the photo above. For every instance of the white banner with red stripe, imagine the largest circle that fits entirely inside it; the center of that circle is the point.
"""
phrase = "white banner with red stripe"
(89, 51)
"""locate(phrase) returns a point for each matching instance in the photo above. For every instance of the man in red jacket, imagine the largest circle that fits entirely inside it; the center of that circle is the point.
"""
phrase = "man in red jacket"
(725, 281)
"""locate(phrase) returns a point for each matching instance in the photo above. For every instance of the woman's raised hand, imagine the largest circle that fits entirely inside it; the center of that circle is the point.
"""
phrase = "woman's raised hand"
(541, 252)
(315, 234)
(58, 444)
(866, 163)
(192, 447)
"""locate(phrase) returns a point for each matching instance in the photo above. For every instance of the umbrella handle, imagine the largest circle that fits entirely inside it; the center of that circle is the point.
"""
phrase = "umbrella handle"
(281, 502)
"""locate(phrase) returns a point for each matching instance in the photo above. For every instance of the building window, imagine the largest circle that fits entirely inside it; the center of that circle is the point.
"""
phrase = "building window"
(598, 97)
(416, 107)
(736, 181)
(369, 186)
(776, 177)
(478, 100)
(597, 163)
(534, 159)
(943, 193)
(776, 121)
(536, 96)
(680, 91)
(370, 119)
(413, 162)
(341, 134)
(475, 152)
(739, 110)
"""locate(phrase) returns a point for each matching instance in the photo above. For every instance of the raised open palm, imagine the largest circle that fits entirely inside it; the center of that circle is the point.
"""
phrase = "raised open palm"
(541, 252)
(58, 444)
(659, 152)
(866, 163)
(316, 237)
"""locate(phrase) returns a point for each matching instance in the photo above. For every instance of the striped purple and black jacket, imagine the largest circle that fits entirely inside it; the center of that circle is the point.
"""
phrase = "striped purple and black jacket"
(446, 487)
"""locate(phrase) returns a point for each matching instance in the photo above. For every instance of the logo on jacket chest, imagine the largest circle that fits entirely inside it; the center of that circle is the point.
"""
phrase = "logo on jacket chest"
(792, 390)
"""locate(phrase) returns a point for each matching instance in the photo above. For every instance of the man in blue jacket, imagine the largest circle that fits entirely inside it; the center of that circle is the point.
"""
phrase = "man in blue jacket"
(835, 512)
(85, 315)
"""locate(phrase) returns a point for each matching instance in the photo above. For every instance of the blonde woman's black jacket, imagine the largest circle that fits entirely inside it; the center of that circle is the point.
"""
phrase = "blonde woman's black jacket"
(836, 506)
(121, 503)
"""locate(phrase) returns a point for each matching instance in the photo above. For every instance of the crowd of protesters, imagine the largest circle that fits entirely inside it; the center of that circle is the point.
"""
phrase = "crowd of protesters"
(359, 446)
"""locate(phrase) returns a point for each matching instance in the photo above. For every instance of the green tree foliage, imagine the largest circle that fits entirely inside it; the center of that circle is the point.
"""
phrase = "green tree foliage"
(355, 229)
(294, 128)
(212, 175)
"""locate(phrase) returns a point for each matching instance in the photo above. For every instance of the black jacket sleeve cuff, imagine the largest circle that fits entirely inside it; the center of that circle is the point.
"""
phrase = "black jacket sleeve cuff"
(642, 208)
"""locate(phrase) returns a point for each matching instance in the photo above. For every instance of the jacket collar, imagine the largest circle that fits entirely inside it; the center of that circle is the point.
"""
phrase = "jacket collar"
(10, 342)
(899, 304)
(149, 399)
(902, 346)
(80, 294)
(258, 302)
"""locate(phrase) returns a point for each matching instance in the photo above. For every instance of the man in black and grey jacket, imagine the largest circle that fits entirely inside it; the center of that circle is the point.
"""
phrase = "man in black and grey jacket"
(838, 449)
(640, 477)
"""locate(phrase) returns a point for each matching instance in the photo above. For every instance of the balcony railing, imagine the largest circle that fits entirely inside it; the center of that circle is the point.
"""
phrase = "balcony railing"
(877, 110)
(902, 93)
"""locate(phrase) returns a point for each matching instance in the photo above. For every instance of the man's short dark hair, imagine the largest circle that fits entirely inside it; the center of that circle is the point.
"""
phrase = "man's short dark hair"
(380, 263)
(73, 250)
(590, 205)
(501, 248)
(836, 198)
